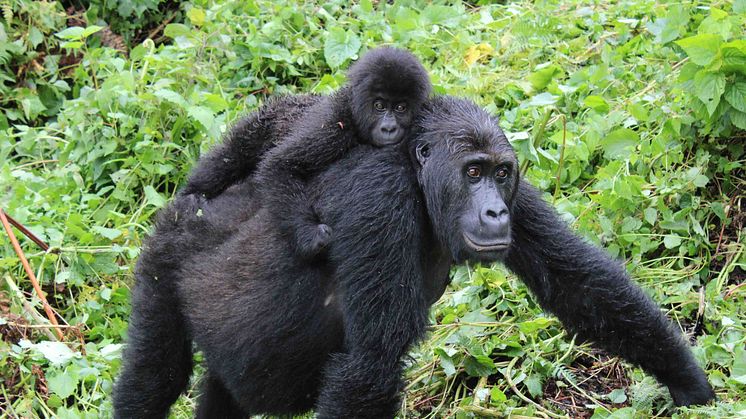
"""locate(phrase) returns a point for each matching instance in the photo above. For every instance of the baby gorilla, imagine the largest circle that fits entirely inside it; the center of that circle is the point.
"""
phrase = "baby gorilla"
(384, 92)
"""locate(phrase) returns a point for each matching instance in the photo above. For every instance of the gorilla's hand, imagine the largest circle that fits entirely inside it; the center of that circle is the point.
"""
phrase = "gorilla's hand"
(693, 390)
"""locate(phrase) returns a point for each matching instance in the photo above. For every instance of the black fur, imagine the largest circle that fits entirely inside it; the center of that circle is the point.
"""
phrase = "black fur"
(282, 335)
(237, 156)
(362, 112)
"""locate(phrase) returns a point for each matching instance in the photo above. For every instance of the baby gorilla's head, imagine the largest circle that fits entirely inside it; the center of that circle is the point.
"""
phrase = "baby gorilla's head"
(388, 86)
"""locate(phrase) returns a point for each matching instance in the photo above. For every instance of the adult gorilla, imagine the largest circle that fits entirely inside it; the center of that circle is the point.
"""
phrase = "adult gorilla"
(282, 335)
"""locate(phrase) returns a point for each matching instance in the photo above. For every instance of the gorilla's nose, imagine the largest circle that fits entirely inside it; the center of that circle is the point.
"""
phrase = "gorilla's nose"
(388, 127)
(494, 218)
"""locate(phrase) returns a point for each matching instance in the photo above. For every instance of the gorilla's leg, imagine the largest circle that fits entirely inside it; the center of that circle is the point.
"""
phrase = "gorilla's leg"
(158, 356)
(157, 360)
(593, 297)
(216, 402)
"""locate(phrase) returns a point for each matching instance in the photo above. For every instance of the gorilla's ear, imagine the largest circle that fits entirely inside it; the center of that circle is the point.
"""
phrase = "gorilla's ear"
(422, 152)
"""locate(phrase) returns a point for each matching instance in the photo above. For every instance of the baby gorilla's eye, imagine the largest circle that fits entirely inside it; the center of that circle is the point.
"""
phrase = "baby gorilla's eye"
(401, 107)
(502, 173)
(378, 105)
(474, 172)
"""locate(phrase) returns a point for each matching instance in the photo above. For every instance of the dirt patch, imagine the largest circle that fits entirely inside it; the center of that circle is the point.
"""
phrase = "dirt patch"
(13, 328)
(595, 375)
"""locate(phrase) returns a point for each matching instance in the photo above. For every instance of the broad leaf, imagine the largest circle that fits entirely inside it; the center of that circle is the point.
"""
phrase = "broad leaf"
(620, 143)
(735, 94)
(340, 46)
(702, 48)
(62, 384)
(709, 87)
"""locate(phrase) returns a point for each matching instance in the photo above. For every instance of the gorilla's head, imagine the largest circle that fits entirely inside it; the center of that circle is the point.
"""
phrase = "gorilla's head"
(388, 87)
(468, 173)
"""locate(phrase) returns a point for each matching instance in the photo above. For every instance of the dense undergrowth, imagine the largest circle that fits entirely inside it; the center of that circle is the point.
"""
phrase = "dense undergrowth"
(630, 116)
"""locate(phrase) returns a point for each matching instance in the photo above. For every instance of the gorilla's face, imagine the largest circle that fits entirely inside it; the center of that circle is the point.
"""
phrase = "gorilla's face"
(469, 174)
(390, 119)
(488, 180)
(388, 86)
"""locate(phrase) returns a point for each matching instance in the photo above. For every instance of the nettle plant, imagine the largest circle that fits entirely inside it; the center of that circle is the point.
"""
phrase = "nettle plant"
(714, 79)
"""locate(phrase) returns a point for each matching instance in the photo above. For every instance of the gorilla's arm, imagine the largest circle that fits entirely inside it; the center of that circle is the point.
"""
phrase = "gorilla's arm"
(324, 136)
(236, 158)
(377, 251)
(593, 297)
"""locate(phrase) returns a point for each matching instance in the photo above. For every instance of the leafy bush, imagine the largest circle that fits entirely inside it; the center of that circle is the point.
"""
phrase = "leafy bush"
(629, 116)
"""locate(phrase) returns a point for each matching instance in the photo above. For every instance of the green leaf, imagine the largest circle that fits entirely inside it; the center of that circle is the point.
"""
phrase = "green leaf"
(109, 233)
(31, 103)
(35, 37)
(597, 103)
(531, 326)
(72, 44)
(541, 99)
(671, 241)
(533, 384)
(651, 215)
(541, 78)
(701, 181)
(202, 114)
(62, 384)
(340, 46)
(196, 16)
(90, 30)
(702, 48)
(617, 396)
(153, 197)
(620, 143)
(56, 352)
(623, 413)
(171, 96)
(717, 23)
(175, 30)
(738, 372)
(670, 27)
(366, 6)
(735, 94)
(738, 119)
(446, 362)
(709, 87)
(734, 56)
(479, 366)
(630, 224)
(739, 6)
(497, 397)
(71, 33)
(447, 16)
(719, 209)
(639, 111)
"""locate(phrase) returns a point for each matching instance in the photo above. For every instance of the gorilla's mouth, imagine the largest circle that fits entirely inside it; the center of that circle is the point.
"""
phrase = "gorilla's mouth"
(486, 247)
(388, 138)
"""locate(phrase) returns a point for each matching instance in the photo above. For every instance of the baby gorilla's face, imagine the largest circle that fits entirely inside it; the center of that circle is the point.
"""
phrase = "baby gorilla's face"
(392, 117)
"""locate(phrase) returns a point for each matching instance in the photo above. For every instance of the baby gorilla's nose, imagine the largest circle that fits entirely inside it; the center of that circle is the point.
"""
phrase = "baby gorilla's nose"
(388, 127)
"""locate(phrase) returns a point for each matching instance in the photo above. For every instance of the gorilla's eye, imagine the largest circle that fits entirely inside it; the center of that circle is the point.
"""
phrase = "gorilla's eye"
(474, 171)
(401, 107)
(501, 173)
(378, 105)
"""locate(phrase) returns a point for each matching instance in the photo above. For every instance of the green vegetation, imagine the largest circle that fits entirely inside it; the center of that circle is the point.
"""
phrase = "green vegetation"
(631, 116)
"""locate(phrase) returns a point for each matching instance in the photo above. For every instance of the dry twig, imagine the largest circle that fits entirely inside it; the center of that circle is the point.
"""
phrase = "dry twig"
(30, 272)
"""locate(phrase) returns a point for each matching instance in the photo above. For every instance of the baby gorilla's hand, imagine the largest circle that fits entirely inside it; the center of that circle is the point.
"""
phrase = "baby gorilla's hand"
(313, 240)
